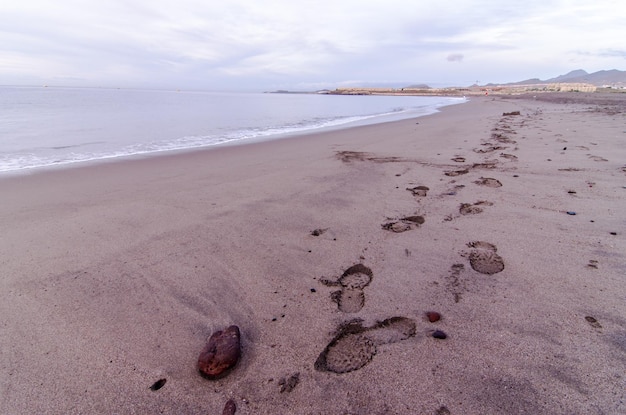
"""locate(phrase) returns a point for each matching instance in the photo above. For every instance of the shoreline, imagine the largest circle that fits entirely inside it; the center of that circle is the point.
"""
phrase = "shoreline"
(177, 137)
(234, 143)
(115, 274)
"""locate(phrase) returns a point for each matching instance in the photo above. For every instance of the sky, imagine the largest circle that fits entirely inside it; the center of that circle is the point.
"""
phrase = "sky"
(302, 44)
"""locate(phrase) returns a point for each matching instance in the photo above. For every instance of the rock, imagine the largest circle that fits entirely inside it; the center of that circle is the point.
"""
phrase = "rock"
(433, 316)
(438, 334)
(230, 408)
(221, 353)
(158, 385)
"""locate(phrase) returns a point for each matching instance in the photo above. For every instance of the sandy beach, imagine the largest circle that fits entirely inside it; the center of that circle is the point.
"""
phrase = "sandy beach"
(512, 227)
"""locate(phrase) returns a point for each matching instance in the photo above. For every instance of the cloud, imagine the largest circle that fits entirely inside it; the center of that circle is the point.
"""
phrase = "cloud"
(243, 42)
(455, 57)
(613, 52)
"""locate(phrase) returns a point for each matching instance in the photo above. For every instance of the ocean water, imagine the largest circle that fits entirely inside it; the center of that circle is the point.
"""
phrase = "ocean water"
(47, 127)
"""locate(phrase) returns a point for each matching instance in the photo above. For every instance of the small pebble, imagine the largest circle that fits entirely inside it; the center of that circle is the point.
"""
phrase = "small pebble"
(438, 334)
(158, 385)
(313, 290)
(515, 175)
(433, 316)
(613, 233)
(230, 408)
(593, 321)
(571, 192)
(571, 213)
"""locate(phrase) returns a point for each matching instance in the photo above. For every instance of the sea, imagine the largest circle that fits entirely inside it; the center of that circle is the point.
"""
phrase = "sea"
(51, 127)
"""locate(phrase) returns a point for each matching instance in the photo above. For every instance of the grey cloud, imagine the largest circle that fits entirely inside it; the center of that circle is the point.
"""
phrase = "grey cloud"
(455, 57)
(614, 53)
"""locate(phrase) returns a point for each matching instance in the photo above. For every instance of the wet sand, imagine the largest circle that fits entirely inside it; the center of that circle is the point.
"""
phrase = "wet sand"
(327, 251)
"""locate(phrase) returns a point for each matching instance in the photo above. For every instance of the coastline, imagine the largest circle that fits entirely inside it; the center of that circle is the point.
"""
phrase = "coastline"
(116, 273)
(118, 125)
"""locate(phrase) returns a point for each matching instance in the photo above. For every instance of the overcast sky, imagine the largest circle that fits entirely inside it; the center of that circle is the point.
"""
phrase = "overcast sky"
(301, 44)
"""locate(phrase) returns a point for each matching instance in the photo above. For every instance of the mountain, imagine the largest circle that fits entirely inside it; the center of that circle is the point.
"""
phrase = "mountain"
(600, 78)
(570, 76)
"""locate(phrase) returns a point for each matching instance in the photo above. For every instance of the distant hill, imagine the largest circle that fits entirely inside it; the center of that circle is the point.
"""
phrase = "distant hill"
(613, 77)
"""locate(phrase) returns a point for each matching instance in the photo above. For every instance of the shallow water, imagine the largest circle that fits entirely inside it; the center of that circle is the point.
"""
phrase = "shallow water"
(42, 127)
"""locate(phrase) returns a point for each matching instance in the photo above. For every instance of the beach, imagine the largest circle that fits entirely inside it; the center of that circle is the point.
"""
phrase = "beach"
(511, 227)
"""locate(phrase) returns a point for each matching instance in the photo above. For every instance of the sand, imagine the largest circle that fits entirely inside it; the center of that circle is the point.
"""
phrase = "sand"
(114, 275)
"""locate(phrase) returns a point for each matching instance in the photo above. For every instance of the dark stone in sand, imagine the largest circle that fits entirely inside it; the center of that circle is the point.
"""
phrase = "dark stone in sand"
(221, 353)
(504, 114)
(613, 233)
(593, 321)
(571, 213)
(433, 316)
(230, 408)
(313, 290)
(158, 385)
(438, 334)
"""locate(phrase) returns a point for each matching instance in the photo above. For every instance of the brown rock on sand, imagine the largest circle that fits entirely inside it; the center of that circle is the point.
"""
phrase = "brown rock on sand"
(221, 353)
(230, 408)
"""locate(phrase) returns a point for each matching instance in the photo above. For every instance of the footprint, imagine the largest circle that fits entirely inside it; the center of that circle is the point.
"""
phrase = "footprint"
(597, 158)
(404, 224)
(354, 346)
(418, 191)
(454, 283)
(349, 301)
(459, 159)
(488, 181)
(487, 165)
(508, 156)
(350, 156)
(351, 298)
(473, 209)
(484, 258)
(453, 173)
(346, 353)
(490, 149)
(287, 384)
(396, 227)
(501, 138)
